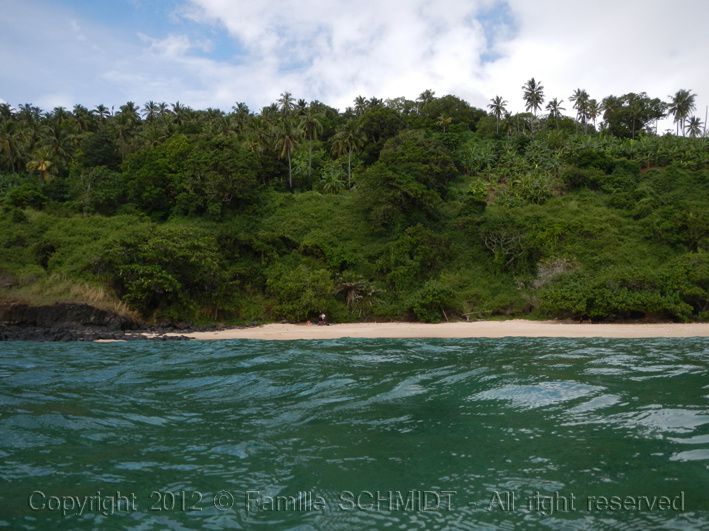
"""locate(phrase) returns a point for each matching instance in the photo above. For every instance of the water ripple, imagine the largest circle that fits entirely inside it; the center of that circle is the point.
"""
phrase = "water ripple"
(533, 417)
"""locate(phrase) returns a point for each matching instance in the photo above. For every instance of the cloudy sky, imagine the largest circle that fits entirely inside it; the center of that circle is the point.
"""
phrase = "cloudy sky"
(217, 52)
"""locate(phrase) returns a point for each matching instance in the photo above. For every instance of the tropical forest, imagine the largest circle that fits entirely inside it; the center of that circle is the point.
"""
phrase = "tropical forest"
(417, 210)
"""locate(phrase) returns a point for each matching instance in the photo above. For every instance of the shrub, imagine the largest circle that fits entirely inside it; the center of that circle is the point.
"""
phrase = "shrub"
(300, 292)
(26, 195)
(429, 304)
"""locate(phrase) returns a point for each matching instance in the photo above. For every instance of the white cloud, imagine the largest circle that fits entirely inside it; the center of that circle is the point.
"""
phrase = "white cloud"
(339, 49)
(607, 47)
(336, 50)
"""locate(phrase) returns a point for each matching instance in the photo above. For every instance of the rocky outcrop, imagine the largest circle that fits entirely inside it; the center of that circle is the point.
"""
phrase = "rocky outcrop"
(62, 321)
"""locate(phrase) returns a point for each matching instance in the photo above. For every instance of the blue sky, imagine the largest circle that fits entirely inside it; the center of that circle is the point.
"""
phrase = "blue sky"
(217, 52)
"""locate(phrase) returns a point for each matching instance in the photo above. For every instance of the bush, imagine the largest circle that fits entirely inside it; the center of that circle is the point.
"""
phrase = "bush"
(624, 293)
(406, 185)
(26, 195)
(429, 304)
(412, 257)
(575, 177)
(100, 190)
(168, 271)
(300, 292)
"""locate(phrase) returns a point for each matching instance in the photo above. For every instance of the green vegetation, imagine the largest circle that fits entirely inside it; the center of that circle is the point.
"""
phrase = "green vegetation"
(398, 209)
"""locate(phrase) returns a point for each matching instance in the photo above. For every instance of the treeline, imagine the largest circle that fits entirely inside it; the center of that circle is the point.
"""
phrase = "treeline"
(399, 209)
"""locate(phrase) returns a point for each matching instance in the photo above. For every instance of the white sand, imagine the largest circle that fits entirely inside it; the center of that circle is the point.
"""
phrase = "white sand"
(512, 328)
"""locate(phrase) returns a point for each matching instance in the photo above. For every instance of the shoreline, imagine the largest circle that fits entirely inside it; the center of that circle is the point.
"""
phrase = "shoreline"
(455, 330)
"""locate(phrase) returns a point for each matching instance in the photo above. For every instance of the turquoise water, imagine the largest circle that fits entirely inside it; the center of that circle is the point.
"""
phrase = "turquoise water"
(353, 434)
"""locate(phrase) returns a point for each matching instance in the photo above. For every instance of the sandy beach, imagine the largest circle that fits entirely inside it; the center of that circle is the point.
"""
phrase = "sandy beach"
(511, 328)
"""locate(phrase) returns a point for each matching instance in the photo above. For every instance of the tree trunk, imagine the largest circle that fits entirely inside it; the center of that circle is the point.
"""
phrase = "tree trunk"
(349, 169)
(290, 173)
(310, 161)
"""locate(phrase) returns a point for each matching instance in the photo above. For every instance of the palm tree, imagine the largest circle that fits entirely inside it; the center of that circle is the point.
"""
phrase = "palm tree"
(29, 113)
(11, 144)
(101, 111)
(129, 113)
(359, 294)
(150, 111)
(180, 111)
(5, 111)
(360, 105)
(82, 117)
(533, 95)
(347, 140)
(593, 110)
(41, 164)
(59, 139)
(554, 107)
(581, 104)
(498, 107)
(681, 104)
(287, 139)
(241, 116)
(694, 127)
(286, 103)
(444, 121)
(58, 116)
(311, 127)
(126, 122)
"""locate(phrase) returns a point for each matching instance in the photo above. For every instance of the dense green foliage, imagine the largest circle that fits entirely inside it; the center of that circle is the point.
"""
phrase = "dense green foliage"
(428, 210)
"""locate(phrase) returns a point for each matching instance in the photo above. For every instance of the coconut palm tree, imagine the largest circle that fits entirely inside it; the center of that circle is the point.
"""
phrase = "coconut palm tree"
(347, 140)
(286, 103)
(360, 105)
(180, 112)
(150, 111)
(581, 103)
(301, 106)
(498, 108)
(29, 114)
(593, 111)
(554, 107)
(241, 116)
(288, 136)
(41, 164)
(59, 140)
(694, 127)
(533, 94)
(5, 111)
(444, 121)
(126, 120)
(83, 118)
(681, 104)
(128, 113)
(101, 112)
(11, 143)
(311, 127)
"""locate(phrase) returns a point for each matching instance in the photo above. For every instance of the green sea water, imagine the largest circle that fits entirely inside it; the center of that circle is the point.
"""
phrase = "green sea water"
(355, 434)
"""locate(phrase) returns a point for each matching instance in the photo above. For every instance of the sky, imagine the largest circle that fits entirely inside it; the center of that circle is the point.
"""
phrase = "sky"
(214, 53)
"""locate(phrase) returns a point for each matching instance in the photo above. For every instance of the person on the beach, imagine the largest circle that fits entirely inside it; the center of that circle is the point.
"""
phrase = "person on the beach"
(322, 320)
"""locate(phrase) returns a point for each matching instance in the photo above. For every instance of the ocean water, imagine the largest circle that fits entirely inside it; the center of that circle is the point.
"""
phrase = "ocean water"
(355, 434)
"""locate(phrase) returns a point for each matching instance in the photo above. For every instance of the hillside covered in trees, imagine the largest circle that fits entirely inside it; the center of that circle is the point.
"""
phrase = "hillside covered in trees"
(416, 210)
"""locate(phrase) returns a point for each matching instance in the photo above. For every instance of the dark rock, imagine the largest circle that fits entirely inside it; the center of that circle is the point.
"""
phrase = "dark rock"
(61, 322)
(79, 322)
